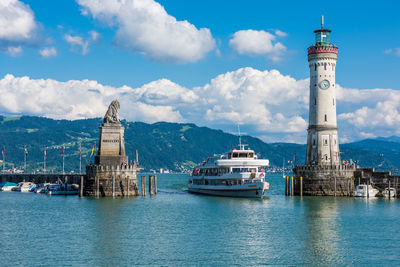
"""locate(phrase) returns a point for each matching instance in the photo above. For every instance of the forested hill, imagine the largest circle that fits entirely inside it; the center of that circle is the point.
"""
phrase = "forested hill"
(170, 146)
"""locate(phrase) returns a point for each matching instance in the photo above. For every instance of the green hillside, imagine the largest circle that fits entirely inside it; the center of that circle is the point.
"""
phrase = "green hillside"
(170, 146)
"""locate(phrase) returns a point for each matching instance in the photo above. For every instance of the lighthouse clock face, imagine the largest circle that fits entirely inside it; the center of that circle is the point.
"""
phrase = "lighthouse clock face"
(324, 84)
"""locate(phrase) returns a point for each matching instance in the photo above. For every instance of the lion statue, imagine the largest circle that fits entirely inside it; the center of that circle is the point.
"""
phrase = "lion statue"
(112, 113)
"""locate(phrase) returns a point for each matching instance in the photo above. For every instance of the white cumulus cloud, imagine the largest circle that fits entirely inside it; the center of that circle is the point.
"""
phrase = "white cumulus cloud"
(144, 27)
(77, 41)
(17, 26)
(251, 42)
(48, 52)
(267, 104)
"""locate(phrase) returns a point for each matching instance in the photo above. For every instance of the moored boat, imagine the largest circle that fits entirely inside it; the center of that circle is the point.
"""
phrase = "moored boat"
(41, 188)
(61, 189)
(237, 173)
(364, 190)
(7, 186)
(389, 192)
(24, 187)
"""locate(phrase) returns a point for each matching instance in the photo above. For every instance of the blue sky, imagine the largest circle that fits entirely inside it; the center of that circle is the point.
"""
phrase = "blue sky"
(121, 64)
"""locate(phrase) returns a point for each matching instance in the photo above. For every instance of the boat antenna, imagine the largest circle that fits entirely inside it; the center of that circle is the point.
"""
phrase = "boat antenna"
(240, 137)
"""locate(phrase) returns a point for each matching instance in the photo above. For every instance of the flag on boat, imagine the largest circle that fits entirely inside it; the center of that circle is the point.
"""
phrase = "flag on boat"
(45, 153)
(62, 151)
(94, 147)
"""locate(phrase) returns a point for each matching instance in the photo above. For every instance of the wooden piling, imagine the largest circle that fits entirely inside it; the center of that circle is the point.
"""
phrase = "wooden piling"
(368, 190)
(286, 186)
(81, 187)
(143, 178)
(292, 186)
(155, 184)
(301, 186)
(389, 187)
(113, 185)
(151, 185)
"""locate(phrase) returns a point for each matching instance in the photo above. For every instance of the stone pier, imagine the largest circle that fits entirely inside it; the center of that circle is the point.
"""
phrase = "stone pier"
(111, 175)
(337, 180)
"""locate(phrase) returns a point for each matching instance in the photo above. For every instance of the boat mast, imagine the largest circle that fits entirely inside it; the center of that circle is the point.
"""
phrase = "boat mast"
(241, 146)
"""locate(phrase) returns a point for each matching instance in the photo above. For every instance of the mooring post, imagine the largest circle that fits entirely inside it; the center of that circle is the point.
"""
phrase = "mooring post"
(292, 186)
(301, 186)
(151, 185)
(368, 190)
(335, 186)
(81, 187)
(155, 184)
(286, 186)
(389, 187)
(143, 186)
(113, 185)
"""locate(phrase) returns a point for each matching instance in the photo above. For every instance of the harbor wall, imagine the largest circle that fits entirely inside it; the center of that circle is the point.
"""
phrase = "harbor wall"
(337, 180)
(378, 179)
(107, 181)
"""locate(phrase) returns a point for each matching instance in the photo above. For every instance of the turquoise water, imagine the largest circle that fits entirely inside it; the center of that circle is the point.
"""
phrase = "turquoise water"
(176, 228)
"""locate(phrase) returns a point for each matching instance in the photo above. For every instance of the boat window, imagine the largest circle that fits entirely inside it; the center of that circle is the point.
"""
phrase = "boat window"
(235, 170)
(235, 155)
(229, 155)
(251, 155)
(242, 155)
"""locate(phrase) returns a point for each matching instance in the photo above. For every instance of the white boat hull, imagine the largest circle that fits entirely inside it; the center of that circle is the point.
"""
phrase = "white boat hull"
(25, 189)
(254, 190)
(7, 188)
(62, 192)
(362, 192)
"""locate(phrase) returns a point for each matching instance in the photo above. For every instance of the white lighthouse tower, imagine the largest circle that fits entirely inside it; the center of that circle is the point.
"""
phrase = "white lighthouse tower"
(322, 174)
(322, 140)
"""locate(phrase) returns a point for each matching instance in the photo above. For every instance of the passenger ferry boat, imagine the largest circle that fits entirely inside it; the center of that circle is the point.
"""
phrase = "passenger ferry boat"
(237, 173)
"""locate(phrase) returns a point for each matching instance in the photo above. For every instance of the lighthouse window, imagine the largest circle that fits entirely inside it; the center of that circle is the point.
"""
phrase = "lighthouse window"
(325, 66)
(315, 66)
(326, 142)
(326, 118)
(326, 157)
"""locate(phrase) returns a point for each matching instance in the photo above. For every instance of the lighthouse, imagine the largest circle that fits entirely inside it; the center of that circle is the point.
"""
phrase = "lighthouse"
(323, 174)
(322, 139)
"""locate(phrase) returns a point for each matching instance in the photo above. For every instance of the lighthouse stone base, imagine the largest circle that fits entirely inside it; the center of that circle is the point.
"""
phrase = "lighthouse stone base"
(337, 180)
